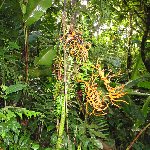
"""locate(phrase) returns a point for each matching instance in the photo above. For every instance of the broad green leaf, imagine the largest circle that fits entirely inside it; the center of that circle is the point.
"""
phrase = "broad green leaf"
(46, 57)
(35, 9)
(15, 88)
(146, 107)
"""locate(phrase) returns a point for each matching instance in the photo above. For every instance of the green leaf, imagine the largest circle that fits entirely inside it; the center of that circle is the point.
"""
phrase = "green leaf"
(30, 113)
(19, 114)
(10, 114)
(98, 144)
(145, 108)
(35, 9)
(50, 127)
(40, 72)
(85, 143)
(13, 45)
(46, 57)
(23, 140)
(16, 138)
(138, 93)
(2, 116)
(135, 82)
(14, 125)
(23, 8)
(144, 84)
(15, 88)
(35, 146)
(135, 73)
(98, 134)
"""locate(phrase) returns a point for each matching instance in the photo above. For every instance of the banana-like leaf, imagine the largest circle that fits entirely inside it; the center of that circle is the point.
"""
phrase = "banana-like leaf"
(35, 9)
(46, 57)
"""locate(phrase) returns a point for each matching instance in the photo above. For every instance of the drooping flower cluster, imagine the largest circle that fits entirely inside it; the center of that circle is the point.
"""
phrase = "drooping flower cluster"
(96, 99)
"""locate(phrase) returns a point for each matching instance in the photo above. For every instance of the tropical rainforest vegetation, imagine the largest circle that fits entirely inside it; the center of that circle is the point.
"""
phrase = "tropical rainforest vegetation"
(74, 74)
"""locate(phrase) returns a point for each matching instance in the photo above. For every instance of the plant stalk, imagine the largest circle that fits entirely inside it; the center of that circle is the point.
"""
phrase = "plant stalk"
(26, 52)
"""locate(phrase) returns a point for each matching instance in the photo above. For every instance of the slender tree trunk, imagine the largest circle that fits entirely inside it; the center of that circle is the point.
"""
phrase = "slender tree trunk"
(129, 50)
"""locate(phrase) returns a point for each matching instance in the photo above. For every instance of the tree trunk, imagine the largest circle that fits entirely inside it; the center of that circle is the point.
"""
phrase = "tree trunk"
(144, 49)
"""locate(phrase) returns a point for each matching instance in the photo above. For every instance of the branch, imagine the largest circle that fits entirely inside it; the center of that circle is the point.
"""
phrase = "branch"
(130, 146)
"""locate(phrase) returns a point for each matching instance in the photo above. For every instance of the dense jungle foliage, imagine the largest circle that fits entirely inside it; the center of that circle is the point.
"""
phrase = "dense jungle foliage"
(74, 74)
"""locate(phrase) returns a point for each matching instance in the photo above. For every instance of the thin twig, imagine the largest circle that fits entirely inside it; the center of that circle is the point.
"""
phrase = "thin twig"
(131, 144)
